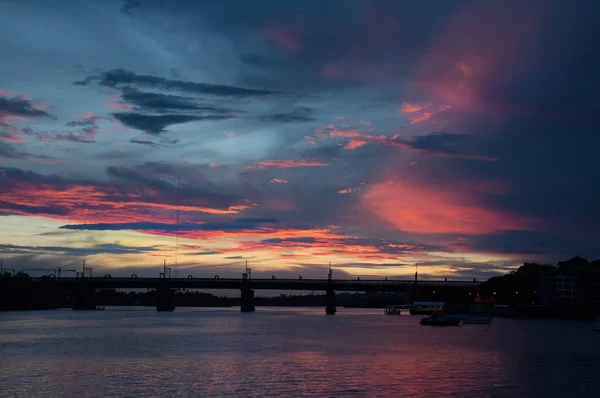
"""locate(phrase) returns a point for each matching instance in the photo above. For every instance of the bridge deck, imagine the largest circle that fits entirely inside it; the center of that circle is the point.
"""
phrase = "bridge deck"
(236, 283)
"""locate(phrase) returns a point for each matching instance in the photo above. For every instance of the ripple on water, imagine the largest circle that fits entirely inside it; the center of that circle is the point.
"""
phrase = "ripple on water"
(289, 352)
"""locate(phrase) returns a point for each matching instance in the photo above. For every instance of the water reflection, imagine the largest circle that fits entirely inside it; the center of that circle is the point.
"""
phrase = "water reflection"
(291, 352)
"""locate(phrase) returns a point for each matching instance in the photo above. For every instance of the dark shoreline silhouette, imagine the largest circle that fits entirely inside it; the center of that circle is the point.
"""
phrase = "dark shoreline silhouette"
(571, 289)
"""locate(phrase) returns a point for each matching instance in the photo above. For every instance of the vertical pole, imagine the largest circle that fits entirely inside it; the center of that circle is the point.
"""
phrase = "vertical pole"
(83, 270)
(176, 231)
(416, 271)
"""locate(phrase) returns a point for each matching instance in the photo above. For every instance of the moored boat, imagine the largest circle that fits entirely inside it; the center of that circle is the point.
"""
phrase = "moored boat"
(440, 318)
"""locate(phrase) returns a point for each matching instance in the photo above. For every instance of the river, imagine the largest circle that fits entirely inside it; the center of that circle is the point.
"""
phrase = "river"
(199, 352)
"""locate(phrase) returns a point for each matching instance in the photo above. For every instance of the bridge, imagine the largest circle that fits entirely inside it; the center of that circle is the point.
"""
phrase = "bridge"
(84, 286)
(345, 285)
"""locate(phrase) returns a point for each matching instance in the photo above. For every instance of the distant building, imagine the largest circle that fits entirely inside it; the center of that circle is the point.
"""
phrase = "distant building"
(568, 288)
(580, 287)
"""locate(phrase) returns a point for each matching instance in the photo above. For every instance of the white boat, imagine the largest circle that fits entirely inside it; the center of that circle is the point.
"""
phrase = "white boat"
(475, 319)
(440, 318)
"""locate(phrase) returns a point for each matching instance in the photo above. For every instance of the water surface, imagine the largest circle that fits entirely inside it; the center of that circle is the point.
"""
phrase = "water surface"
(138, 352)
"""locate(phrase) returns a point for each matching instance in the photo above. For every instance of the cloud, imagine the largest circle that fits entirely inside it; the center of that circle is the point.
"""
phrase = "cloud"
(108, 248)
(353, 144)
(414, 207)
(154, 226)
(7, 151)
(298, 115)
(204, 253)
(444, 145)
(18, 107)
(277, 181)
(129, 197)
(147, 101)
(157, 101)
(407, 107)
(86, 134)
(156, 124)
(129, 6)
(285, 164)
(119, 78)
(145, 142)
(420, 118)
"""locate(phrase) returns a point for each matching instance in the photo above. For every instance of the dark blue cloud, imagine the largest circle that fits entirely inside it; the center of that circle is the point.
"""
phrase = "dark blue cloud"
(121, 78)
(156, 124)
(152, 226)
(17, 106)
(299, 115)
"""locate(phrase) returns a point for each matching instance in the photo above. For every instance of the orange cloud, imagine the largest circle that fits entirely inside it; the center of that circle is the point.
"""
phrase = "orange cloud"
(229, 133)
(88, 204)
(407, 107)
(408, 206)
(350, 133)
(285, 164)
(353, 144)
(278, 181)
(420, 118)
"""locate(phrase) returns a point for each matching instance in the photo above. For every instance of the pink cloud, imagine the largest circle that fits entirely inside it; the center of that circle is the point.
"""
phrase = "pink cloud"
(311, 140)
(229, 134)
(278, 181)
(115, 102)
(11, 138)
(474, 49)
(413, 207)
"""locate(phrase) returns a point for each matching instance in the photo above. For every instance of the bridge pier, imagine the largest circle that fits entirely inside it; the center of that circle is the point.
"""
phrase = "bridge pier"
(330, 308)
(247, 301)
(165, 299)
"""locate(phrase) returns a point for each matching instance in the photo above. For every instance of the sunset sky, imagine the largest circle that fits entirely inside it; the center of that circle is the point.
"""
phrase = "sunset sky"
(459, 135)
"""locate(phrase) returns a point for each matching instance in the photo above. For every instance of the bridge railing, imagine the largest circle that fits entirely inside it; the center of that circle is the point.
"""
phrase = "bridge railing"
(265, 281)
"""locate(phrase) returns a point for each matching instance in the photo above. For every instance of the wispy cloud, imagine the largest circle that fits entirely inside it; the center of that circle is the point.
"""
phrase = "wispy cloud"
(286, 164)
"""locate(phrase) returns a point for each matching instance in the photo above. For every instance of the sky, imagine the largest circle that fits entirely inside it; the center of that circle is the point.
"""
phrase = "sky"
(376, 135)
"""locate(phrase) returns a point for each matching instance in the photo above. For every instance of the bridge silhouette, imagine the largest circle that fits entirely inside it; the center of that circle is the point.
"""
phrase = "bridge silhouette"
(346, 285)
(83, 287)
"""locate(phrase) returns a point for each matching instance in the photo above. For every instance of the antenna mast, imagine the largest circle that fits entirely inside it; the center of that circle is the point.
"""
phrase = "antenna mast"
(176, 228)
